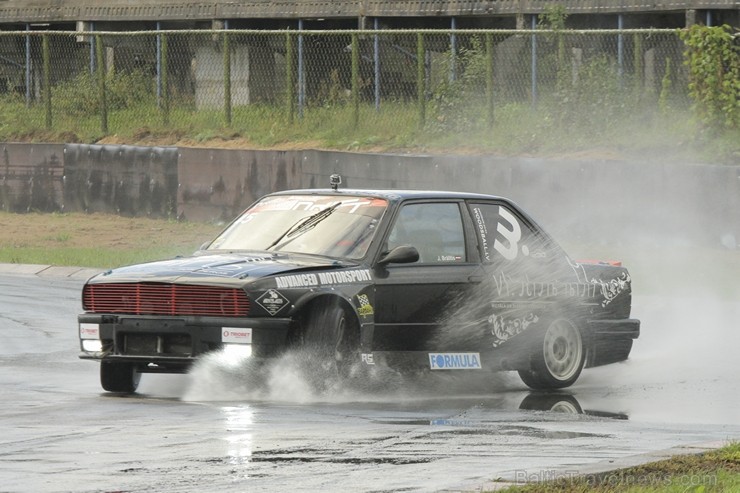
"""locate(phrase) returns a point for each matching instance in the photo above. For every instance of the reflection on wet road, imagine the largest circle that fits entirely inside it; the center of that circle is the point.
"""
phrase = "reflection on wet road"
(210, 430)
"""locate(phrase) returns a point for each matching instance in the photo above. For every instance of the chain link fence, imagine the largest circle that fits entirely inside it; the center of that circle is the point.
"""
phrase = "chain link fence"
(275, 85)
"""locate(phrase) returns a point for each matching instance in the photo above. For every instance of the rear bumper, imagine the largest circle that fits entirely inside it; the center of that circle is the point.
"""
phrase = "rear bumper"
(611, 340)
(625, 328)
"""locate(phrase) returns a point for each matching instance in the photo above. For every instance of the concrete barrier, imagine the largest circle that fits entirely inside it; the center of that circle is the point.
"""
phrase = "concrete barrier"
(589, 200)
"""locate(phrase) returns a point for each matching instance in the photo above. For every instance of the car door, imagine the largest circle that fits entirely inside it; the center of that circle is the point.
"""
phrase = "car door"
(415, 301)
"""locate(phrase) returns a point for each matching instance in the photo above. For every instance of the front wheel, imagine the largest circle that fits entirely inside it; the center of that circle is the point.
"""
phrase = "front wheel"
(119, 377)
(332, 333)
(558, 361)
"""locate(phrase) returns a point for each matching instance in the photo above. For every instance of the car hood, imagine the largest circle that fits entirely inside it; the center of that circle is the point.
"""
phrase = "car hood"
(218, 268)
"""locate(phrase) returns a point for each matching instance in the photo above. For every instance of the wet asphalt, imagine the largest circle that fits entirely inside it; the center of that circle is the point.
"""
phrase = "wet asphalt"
(236, 428)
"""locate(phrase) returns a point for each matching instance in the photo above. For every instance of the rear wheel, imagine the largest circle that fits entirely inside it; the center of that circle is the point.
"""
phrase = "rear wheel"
(331, 333)
(558, 403)
(559, 359)
(119, 377)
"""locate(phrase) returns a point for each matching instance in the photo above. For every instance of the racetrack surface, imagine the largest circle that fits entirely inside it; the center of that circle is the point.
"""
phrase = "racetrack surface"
(236, 428)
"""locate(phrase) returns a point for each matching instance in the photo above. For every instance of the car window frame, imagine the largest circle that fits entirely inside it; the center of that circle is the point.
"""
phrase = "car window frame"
(472, 255)
(521, 216)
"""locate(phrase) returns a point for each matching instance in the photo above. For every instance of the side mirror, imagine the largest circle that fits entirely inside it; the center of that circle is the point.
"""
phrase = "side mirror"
(403, 254)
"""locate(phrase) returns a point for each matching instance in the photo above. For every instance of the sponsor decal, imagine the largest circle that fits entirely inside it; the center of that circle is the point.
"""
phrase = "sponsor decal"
(323, 278)
(511, 234)
(297, 281)
(365, 309)
(345, 277)
(367, 358)
(449, 258)
(508, 286)
(236, 335)
(89, 331)
(483, 231)
(505, 328)
(454, 361)
(272, 301)
(507, 238)
(611, 289)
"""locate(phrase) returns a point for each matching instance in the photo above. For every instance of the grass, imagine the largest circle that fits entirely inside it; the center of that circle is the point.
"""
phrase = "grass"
(96, 240)
(715, 471)
(518, 129)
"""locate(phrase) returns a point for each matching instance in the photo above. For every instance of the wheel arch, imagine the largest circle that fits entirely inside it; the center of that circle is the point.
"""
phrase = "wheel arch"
(305, 306)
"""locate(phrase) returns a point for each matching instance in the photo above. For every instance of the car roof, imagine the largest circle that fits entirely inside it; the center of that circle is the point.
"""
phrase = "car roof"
(392, 195)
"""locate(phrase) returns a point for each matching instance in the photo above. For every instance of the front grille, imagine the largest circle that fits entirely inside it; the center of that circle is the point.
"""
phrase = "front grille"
(165, 299)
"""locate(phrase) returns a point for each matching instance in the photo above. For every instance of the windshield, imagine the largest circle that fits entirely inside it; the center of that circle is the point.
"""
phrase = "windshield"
(330, 225)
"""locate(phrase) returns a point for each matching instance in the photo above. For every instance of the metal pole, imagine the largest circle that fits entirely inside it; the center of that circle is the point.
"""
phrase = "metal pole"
(227, 77)
(289, 77)
(47, 79)
(709, 18)
(489, 79)
(301, 75)
(620, 48)
(165, 84)
(159, 66)
(376, 64)
(93, 49)
(421, 78)
(29, 80)
(355, 80)
(534, 61)
(100, 65)
(453, 50)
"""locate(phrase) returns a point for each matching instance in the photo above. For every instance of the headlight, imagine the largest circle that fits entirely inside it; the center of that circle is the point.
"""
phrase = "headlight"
(234, 354)
(92, 345)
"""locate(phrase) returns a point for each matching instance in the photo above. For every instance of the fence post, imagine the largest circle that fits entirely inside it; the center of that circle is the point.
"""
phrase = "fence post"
(620, 49)
(420, 78)
(29, 79)
(289, 78)
(159, 66)
(301, 72)
(453, 50)
(489, 78)
(47, 79)
(638, 62)
(227, 80)
(165, 85)
(355, 80)
(376, 65)
(534, 61)
(100, 72)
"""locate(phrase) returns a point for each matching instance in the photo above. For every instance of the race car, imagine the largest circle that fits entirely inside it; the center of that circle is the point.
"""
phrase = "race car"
(425, 280)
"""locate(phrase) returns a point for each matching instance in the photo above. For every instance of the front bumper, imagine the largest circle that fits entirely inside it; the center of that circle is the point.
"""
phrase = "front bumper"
(172, 344)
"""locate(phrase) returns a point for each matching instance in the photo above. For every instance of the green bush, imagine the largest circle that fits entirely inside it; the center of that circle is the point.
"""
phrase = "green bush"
(459, 104)
(713, 59)
(79, 95)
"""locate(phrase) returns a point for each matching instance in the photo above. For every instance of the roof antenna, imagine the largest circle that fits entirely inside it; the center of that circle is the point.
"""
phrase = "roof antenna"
(335, 180)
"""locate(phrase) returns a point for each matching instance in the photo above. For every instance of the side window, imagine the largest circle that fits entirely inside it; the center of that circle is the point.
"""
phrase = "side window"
(436, 230)
(503, 236)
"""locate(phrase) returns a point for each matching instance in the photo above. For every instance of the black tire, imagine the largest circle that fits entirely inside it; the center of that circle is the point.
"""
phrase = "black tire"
(559, 358)
(122, 378)
(332, 334)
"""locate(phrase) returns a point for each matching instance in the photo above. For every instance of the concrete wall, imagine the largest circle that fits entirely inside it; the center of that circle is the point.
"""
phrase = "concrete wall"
(31, 177)
(589, 199)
